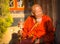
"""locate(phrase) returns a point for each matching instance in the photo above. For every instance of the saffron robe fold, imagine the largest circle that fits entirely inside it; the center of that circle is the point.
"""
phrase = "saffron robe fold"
(39, 30)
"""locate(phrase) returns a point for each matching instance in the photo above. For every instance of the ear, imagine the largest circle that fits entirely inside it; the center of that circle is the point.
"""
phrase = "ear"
(32, 13)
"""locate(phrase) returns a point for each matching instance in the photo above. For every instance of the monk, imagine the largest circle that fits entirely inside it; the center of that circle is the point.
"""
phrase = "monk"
(38, 26)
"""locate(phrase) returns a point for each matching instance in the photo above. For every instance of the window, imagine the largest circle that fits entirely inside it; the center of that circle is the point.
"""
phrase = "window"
(16, 5)
(11, 3)
(20, 3)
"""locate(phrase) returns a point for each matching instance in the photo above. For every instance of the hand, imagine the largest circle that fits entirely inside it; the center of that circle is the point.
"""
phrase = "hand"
(30, 36)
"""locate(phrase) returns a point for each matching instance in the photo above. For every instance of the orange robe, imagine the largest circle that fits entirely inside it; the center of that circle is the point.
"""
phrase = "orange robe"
(38, 31)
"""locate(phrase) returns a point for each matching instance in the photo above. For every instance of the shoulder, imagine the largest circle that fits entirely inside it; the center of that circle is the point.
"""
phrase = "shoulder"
(28, 19)
(46, 18)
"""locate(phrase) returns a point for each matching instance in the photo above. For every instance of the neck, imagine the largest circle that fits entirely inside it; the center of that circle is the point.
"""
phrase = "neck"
(39, 19)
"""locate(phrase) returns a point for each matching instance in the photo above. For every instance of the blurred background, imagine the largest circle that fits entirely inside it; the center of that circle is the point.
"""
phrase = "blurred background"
(14, 12)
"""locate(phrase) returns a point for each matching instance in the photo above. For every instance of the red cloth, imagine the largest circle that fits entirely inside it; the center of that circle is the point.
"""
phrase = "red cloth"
(38, 31)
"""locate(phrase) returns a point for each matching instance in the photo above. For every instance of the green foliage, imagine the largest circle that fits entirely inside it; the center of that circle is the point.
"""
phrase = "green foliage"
(5, 18)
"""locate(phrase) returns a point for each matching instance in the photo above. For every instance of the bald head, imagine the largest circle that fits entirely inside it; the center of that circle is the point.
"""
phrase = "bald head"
(37, 10)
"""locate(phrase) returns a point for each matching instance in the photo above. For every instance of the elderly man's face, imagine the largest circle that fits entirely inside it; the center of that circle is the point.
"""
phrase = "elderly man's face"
(37, 11)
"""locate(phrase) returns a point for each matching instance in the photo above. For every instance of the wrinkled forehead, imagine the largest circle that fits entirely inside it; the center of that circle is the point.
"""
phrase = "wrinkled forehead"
(36, 7)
